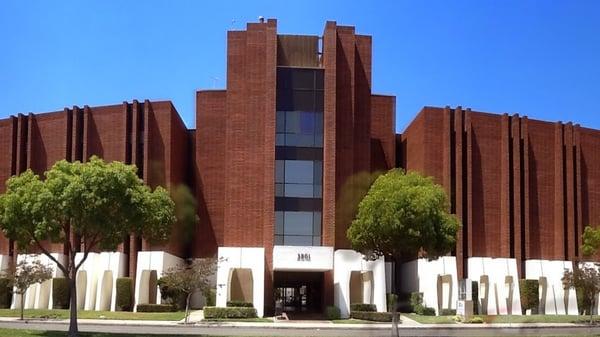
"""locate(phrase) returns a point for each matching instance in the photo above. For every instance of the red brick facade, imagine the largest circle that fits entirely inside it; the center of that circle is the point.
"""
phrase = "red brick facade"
(523, 188)
(37, 141)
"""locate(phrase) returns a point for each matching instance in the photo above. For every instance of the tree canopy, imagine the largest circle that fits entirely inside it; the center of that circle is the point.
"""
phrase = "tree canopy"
(403, 215)
(96, 202)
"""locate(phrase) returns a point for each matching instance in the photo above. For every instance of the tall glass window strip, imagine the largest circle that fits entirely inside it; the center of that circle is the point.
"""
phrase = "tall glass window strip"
(299, 157)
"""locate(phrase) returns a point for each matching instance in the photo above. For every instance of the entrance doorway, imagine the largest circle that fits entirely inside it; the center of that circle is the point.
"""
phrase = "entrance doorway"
(299, 294)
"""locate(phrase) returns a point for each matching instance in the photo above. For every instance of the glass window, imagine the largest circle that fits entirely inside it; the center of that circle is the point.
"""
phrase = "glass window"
(316, 241)
(279, 190)
(316, 223)
(279, 223)
(280, 122)
(296, 240)
(299, 171)
(279, 171)
(299, 190)
(298, 223)
(279, 240)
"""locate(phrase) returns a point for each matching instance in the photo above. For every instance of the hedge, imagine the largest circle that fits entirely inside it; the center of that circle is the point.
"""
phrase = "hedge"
(124, 294)
(372, 316)
(156, 308)
(448, 312)
(529, 295)
(333, 313)
(363, 307)
(60, 293)
(239, 304)
(5, 293)
(229, 312)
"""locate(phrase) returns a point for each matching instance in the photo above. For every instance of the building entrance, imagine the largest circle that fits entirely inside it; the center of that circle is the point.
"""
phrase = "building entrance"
(298, 294)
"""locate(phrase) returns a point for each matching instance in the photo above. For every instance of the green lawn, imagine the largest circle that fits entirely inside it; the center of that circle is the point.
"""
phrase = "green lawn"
(258, 319)
(28, 333)
(125, 315)
(430, 319)
(536, 319)
(355, 321)
(504, 319)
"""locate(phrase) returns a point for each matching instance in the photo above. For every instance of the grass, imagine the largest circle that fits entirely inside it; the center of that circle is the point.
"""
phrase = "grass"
(505, 319)
(355, 321)
(29, 333)
(536, 319)
(255, 320)
(121, 315)
(430, 319)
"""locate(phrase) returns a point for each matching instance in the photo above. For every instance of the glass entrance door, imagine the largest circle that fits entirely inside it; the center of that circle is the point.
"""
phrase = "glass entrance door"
(297, 292)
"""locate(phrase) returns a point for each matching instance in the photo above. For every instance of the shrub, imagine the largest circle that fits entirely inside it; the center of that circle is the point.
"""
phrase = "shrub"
(211, 297)
(156, 307)
(475, 296)
(372, 316)
(476, 320)
(448, 312)
(170, 295)
(425, 311)
(333, 313)
(403, 303)
(391, 301)
(529, 290)
(239, 304)
(60, 293)
(124, 294)
(229, 312)
(363, 307)
(416, 299)
(5, 293)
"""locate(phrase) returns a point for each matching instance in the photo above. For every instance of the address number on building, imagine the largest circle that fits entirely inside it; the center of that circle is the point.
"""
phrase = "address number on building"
(303, 257)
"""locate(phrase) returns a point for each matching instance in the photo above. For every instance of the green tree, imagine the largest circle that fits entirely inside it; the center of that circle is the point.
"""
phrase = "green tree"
(585, 279)
(97, 202)
(26, 274)
(403, 216)
(188, 279)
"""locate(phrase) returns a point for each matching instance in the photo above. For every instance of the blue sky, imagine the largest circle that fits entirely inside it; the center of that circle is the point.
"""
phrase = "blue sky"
(538, 58)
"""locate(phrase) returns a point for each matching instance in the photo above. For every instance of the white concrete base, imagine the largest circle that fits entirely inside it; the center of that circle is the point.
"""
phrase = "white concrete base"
(97, 278)
(345, 262)
(4, 259)
(502, 280)
(557, 300)
(231, 258)
(150, 264)
(436, 279)
(39, 295)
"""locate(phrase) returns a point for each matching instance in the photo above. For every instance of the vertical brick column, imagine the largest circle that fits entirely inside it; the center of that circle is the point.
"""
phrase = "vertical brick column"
(527, 189)
(469, 186)
(558, 252)
(460, 188)
(505, 188)
(578, 191)
(517, 195)
(570, 188)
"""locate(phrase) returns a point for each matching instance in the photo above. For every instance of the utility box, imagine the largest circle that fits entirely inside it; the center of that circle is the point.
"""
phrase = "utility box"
(464, 306)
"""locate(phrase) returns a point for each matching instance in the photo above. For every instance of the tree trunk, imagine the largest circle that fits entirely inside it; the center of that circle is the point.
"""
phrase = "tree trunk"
(591, 310)
(187, 307)
(22, 304)
(395, 315)
(73, 329)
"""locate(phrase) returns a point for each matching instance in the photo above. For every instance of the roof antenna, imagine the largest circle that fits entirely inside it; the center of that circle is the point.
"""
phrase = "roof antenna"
(261, 19)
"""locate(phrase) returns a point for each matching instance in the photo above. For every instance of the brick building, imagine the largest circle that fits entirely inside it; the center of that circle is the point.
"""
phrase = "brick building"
(277, 161)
